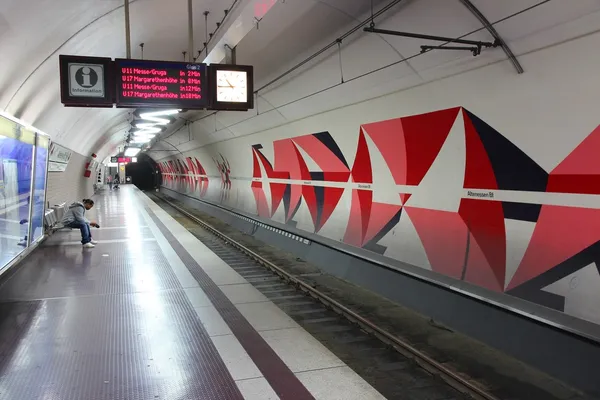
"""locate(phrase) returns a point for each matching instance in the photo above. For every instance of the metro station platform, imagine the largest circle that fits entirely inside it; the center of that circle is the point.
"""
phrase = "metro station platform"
(152, 313)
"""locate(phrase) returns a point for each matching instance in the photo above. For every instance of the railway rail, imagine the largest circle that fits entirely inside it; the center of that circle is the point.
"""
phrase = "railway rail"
(393, 366)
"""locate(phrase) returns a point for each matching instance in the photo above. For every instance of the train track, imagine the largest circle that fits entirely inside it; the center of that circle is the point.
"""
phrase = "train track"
(391, 365)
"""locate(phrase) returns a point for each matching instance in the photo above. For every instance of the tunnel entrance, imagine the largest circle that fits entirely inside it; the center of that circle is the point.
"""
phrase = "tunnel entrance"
(144, 173)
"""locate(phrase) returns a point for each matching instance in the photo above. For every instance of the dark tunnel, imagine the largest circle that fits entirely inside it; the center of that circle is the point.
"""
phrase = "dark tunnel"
(144, 173)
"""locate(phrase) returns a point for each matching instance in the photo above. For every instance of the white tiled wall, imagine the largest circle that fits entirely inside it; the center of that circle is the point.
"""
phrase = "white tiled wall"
(71, 185)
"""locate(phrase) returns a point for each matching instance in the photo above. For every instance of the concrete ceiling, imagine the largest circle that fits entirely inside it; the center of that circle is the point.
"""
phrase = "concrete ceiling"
(31, 41)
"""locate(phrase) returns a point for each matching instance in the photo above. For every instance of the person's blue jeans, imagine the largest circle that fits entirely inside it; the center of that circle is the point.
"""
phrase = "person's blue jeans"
(86, 233)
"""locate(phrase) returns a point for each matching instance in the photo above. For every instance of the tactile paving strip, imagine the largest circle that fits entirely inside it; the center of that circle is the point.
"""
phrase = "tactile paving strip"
(283, 381)
(143, 346)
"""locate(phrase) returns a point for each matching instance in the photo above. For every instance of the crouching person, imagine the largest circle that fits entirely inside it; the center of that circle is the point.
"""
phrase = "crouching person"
(75, 218)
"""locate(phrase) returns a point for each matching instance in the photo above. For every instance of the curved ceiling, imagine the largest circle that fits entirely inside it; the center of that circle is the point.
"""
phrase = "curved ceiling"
(30, 43)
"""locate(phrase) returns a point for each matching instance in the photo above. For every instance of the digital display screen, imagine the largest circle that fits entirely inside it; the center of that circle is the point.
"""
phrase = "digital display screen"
(142, 83)
(123, 160)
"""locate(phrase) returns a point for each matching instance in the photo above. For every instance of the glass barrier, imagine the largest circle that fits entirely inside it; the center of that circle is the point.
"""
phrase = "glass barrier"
(36, 227)
(19, 210)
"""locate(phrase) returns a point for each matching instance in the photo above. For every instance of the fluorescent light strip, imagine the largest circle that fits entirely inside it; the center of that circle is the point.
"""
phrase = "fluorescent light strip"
(132, 151)
(149, 129)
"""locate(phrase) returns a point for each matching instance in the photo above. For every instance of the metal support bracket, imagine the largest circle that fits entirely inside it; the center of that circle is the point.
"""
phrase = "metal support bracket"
(230, 56)
(430, 37)
(476, 50)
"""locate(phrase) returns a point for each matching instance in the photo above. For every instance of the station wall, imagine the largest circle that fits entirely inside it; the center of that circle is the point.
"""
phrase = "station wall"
(487, 177)
(70, 185)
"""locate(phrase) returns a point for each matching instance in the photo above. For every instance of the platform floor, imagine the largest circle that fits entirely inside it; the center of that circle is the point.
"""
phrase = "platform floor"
(151, 313)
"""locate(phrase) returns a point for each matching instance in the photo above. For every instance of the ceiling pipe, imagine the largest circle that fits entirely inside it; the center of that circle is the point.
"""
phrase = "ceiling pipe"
(429, 37)
(190, 31)
(127, 30)
(490, 28)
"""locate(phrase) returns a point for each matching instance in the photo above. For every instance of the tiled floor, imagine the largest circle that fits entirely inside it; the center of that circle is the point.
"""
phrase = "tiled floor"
(151, 313)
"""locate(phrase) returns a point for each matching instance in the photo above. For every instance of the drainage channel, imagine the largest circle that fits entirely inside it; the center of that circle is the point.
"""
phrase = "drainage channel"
(392, 367)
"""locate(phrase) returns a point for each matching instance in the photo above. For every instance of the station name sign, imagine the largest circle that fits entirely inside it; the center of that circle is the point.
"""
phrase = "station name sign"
(129, 83)
(123, 160)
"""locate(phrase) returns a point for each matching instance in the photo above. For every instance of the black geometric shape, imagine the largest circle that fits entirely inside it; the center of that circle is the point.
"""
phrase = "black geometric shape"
(372, 244)
(320, 197)
(319, 194)
(293, 214)
(262, 157)
(521, 211)
(514, 170)
(329, 142)
(532, 289)
(287, 196)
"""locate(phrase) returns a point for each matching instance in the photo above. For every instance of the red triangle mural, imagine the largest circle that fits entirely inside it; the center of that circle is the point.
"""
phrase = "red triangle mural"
(361, 170)
(332, 198)
(277, 192)
(580, 171)
(479, 173)
(560, 233)
(444, 237)
(354, 232)
(487, 245)
(409, 145)
(404, 197)
(380, 215)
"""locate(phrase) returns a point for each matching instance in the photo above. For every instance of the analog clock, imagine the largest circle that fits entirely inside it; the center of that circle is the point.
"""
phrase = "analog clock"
(232, 86)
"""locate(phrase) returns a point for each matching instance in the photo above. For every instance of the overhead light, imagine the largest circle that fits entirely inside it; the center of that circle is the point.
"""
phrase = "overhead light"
(140, 141)
(132, 151)
(147, 128)
(139, 135)
(154, 116)
(151, 122)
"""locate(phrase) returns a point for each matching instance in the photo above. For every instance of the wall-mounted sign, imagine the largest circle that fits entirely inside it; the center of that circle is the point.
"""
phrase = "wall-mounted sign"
(86, 81)
(142, 83)
(128, 83)
(56, 167)
(123, 160)
(59, 158)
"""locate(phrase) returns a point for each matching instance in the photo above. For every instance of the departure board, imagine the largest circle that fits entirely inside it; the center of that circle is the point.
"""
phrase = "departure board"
(142, 83)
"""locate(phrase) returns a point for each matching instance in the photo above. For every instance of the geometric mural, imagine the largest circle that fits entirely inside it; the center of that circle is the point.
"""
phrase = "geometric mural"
(441, 191)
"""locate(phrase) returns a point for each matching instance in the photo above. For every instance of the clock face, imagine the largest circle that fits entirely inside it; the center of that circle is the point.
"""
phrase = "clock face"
(232, 86)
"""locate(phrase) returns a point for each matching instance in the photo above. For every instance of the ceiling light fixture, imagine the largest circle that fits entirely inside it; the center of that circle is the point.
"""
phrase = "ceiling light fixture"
(132, 151)
(153, 122)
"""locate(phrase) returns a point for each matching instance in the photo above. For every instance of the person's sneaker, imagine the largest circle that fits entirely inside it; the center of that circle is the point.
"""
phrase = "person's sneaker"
(94, 242)
(88, 246)
(23, 242)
